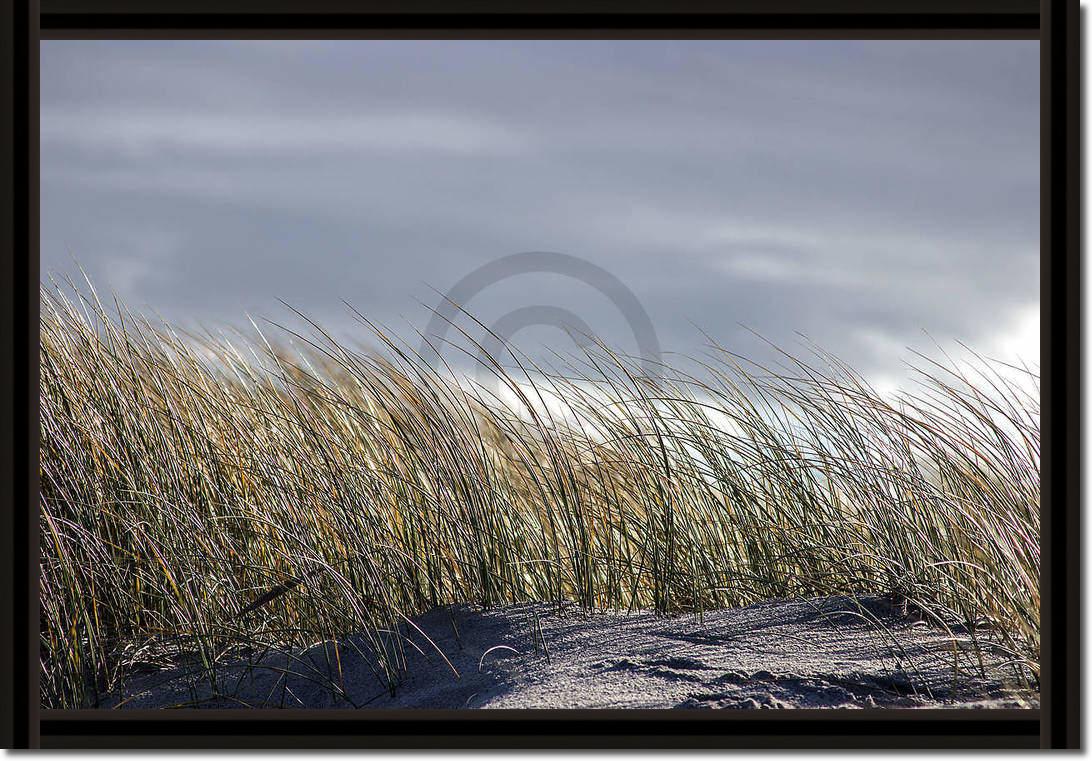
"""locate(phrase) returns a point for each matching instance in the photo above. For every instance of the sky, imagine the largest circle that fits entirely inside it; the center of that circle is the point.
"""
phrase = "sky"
(871, 196)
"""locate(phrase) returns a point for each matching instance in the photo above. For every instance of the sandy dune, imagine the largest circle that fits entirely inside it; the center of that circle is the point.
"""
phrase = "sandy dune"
(783, 654)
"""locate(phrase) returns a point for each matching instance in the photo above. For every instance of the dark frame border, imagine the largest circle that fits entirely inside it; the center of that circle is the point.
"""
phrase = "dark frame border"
(1055, 23)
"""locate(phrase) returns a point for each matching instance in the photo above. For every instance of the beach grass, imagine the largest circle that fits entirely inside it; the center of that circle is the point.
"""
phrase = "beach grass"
(206, 496)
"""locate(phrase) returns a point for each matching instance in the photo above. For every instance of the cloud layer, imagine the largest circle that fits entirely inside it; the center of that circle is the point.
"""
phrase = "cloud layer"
(857, 192)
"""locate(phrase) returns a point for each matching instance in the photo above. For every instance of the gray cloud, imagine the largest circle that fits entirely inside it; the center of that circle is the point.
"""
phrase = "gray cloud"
(857, 192)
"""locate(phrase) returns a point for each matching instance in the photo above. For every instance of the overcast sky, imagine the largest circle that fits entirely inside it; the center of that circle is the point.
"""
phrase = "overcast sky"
(858, 192)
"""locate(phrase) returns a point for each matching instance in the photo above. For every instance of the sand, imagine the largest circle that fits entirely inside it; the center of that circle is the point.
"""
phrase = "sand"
(823, 653)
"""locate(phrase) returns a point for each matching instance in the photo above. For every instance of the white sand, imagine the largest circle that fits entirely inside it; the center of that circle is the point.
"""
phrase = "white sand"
(783, 654)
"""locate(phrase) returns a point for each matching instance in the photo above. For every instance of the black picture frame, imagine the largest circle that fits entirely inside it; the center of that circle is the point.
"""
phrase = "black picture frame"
(1053, 22)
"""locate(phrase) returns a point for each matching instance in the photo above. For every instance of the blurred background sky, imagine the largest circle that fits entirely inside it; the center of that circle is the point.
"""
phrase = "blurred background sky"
(871, 195)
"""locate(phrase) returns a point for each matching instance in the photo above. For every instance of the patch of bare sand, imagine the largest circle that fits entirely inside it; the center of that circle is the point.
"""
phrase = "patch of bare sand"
(823, 653)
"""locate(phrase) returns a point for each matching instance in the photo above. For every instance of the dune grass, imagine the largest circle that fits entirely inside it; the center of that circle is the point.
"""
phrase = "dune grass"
(213, 496)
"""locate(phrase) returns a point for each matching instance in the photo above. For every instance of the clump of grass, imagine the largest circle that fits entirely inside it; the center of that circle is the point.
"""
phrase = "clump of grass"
(224, 495)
